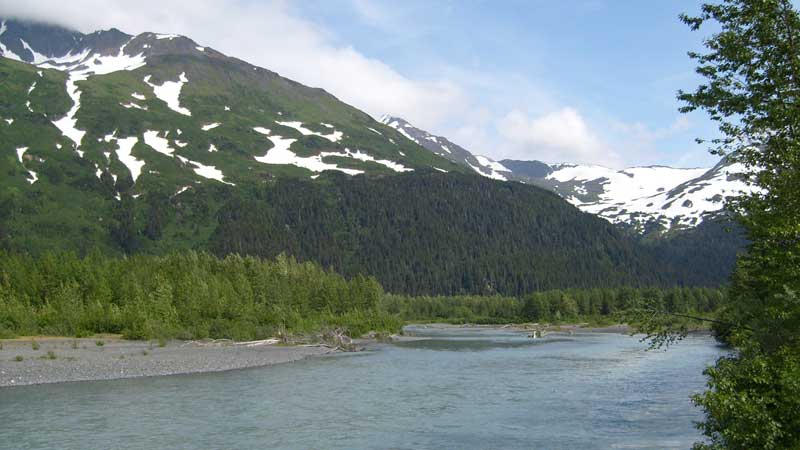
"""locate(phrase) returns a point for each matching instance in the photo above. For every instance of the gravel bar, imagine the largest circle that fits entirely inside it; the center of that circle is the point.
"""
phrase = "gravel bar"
(58, 360)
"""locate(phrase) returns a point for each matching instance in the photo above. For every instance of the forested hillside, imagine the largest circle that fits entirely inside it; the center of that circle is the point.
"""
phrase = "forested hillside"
(445, 234)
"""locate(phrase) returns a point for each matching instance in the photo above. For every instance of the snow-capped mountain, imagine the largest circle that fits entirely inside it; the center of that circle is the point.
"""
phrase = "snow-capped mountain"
(644, 197)
(443, 147)
(160, 108)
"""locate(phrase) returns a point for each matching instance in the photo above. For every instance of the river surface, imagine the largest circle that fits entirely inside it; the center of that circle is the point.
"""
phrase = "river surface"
(461, 389)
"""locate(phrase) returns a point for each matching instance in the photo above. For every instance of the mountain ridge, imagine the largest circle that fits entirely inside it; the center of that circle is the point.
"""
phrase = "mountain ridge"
(643, 198)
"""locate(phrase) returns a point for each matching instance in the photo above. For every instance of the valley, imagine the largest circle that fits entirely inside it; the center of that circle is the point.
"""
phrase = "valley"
(197, 251)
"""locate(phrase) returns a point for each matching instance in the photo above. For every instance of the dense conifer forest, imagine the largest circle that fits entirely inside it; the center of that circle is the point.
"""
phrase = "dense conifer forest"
(458, 234)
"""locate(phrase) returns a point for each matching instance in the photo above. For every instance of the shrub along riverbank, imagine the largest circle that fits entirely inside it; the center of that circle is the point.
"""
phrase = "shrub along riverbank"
(195, 295)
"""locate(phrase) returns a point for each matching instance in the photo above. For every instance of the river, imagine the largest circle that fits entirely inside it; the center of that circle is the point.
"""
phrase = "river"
(460, 389)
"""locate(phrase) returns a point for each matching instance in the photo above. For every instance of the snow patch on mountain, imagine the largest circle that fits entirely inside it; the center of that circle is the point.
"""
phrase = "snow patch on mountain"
(161, 145)
(6, 52)
(486, 173)
(38, 58)
(79, 69)
(124, 149)
(205, 171)
(335, 136)
(169, 92)
(34, 176)
(158, 143)
(405, 133)
(210, 126)
(639, 195)
(494, 166)
(133, 105)
(623, 186)
(280, 154)
(20, 152)
(69, 124)
(397, 167)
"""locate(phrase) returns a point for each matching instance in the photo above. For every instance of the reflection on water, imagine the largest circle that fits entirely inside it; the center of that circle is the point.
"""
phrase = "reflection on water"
(457, 388)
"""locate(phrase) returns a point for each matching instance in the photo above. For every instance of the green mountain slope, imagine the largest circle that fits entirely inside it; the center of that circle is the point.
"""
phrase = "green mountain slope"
(154, 110)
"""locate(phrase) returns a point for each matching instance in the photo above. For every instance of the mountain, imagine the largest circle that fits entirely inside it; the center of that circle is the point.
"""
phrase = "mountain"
(441, 146)
(643, 198)
(125, 144)
(161, 109)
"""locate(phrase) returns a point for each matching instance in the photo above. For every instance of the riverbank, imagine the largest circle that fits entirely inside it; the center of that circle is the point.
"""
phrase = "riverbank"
(56, 360)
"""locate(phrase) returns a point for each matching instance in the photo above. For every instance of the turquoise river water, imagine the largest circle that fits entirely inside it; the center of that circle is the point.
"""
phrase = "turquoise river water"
(461, 389)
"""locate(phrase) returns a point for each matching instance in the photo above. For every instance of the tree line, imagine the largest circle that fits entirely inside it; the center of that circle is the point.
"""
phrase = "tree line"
(553, 306)
(186, 295)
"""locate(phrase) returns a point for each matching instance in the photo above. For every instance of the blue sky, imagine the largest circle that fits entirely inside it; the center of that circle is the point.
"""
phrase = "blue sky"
(617, 63)
(584, 81)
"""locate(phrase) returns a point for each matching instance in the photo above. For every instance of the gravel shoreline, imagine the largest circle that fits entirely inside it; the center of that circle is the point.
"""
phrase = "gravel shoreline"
(58, 360)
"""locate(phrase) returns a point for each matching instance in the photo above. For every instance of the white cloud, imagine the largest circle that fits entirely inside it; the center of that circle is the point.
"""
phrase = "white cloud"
(644, 135)
(562, 135)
